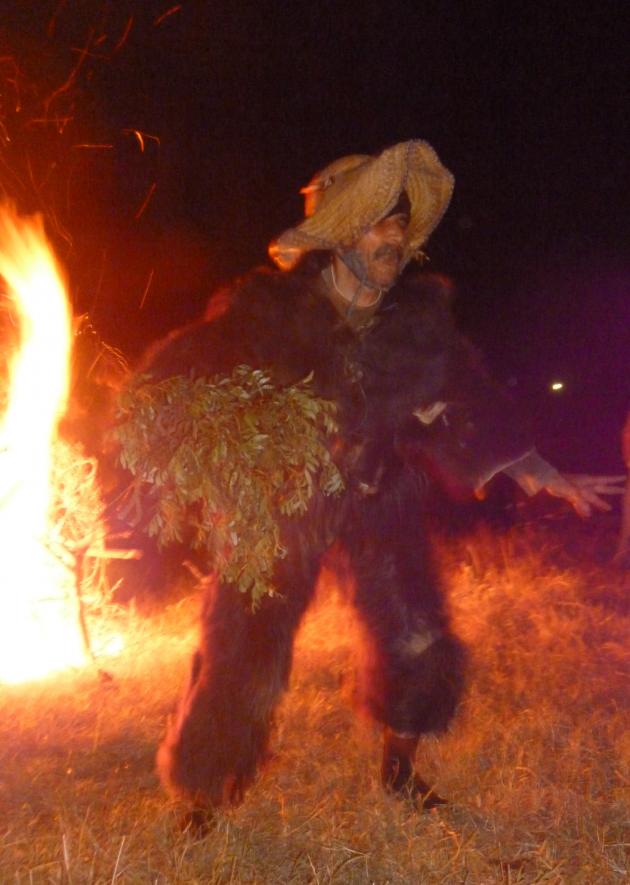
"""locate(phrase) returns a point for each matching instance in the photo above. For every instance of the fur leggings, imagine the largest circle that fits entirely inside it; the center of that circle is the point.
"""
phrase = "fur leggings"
(411, 680)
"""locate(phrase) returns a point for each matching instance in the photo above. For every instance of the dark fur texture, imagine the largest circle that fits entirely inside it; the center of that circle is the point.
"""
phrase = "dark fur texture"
(410, 357)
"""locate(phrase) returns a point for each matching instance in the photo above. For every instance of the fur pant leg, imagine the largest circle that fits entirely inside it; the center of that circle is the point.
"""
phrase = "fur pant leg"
(220, 734)
(412, 675)
(413, 670)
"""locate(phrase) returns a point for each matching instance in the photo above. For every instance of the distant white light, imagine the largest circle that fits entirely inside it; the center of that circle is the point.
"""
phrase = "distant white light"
(556, 386)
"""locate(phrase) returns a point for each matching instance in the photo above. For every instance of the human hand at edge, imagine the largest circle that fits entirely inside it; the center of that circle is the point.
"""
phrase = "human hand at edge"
(583, 491)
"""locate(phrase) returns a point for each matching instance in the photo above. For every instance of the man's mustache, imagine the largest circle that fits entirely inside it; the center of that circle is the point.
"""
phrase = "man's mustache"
(387, 250)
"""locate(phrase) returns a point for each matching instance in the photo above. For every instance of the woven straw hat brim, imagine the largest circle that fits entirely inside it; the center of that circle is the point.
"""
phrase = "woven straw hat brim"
(362, 197)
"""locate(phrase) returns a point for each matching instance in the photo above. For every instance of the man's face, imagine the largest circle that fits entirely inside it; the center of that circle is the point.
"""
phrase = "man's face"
(376, 258)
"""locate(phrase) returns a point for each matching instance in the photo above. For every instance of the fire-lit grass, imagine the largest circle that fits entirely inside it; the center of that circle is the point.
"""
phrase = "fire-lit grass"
(535, 766)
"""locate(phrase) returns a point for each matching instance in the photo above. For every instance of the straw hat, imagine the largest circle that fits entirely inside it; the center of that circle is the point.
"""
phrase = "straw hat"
(348, 197)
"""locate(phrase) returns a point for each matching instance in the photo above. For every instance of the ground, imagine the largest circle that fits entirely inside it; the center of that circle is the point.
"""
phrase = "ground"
(535, 767)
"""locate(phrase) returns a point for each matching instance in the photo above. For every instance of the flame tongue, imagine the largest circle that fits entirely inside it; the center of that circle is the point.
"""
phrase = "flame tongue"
(37, 631)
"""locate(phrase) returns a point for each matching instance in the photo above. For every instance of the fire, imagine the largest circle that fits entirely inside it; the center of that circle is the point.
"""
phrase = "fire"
(38, 621)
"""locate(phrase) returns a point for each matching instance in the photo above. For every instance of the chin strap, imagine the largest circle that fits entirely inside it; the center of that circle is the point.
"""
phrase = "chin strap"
(359, 271)
(355, 264)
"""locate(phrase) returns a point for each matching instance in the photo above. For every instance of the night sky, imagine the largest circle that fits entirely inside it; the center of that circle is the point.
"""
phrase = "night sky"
(241, 102)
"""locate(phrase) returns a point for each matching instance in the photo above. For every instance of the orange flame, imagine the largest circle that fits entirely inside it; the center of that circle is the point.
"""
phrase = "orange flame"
(38, 632)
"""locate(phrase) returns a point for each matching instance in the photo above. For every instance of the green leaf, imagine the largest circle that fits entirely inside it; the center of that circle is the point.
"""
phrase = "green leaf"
(221, 459)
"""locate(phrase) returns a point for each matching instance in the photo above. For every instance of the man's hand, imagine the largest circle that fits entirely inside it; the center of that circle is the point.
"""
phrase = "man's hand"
(583, 491)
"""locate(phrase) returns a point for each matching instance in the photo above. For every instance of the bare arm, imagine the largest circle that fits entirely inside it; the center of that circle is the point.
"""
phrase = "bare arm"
(582, 491)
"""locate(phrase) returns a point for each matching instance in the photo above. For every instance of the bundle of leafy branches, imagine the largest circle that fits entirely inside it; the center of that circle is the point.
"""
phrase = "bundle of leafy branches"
(218, 462)
(77, 537)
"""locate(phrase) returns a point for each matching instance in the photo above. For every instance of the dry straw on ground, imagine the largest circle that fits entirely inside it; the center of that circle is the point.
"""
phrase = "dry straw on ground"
(535, 766)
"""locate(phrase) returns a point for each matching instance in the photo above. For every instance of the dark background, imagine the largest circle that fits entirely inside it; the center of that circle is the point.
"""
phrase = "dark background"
(240, 102)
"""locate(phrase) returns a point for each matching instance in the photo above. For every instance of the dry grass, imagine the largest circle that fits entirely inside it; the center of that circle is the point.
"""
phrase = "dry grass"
(535, 765)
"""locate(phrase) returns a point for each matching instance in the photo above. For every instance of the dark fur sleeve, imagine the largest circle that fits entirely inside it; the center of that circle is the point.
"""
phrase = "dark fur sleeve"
(268, 320)
(415, 358)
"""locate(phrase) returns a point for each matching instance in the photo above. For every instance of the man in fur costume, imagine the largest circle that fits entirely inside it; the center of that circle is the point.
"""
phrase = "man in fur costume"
(413, 402)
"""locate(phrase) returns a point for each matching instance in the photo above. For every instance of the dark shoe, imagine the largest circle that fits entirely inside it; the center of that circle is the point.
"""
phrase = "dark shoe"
(420, 794)
(398, 775)
(197, 823)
